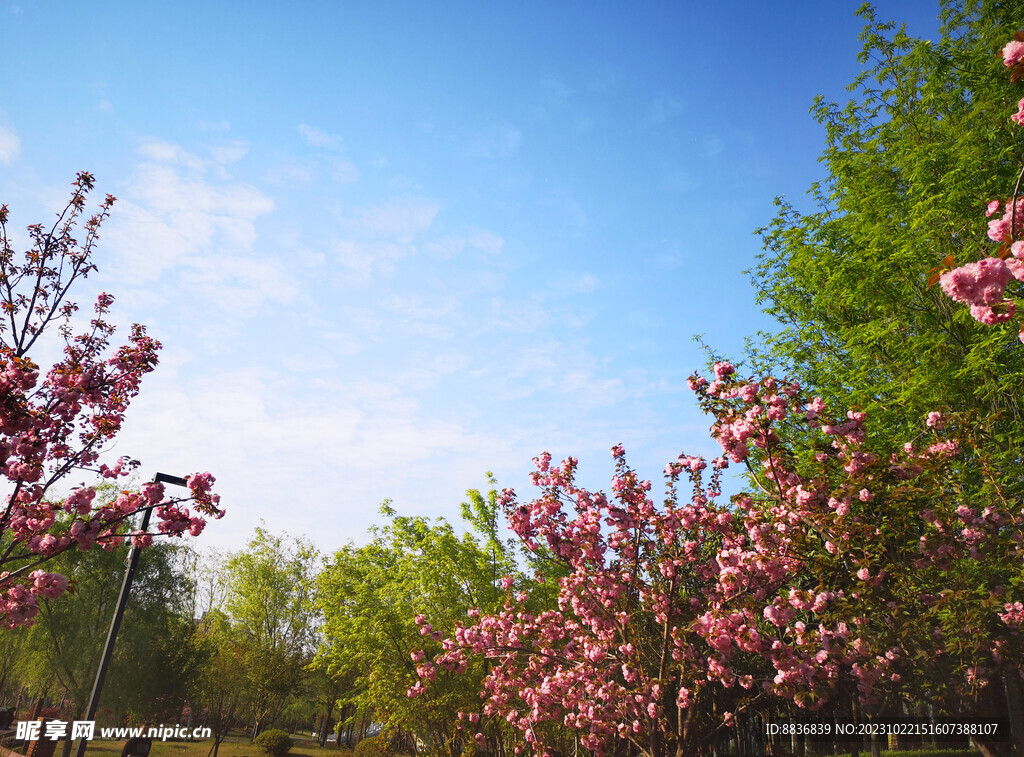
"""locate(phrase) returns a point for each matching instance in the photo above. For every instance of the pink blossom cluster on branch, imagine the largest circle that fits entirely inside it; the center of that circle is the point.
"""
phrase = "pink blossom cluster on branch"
(834, 577)
(54, 424)
(982, 285)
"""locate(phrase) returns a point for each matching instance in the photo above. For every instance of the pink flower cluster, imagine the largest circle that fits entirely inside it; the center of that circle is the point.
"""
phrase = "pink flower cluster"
(982, 284)
(1013, 54)
(791, 592)
(55, 423)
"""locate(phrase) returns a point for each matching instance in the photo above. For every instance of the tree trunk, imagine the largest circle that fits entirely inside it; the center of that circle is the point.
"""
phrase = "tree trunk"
(217, 739)
(987, 750)
(328, 726)
(931, 717)
(1015, 710)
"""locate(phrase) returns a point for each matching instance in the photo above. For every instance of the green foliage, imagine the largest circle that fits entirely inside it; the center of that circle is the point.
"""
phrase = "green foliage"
(912, 161)
(157, 650)
(375, 746)
(369, 596)
(270, 609)
(275, 743)
(218, 689)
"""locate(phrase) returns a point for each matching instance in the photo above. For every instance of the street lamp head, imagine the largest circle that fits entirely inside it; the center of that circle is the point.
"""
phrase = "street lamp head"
(166, 478)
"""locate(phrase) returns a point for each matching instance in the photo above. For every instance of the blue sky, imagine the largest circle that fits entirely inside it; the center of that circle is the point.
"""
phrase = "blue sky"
(389, 247)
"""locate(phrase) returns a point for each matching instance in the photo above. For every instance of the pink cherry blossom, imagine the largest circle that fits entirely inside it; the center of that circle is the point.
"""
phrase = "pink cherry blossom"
(1013, 53)
(56, 423)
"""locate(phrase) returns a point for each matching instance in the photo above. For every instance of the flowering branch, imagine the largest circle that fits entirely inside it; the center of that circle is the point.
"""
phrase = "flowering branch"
(55, 423)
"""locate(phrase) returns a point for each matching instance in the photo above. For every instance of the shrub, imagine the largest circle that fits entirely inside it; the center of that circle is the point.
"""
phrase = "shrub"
(275, 743)
(375, 746)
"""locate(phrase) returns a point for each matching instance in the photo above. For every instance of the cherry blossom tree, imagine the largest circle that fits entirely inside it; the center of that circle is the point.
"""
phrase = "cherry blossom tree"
(853, 573)
(840, 577)
(56, 423)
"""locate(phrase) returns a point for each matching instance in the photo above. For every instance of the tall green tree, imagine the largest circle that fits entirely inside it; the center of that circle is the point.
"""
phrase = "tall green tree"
(270, 604)
(370, 597)
(912, 159)
(217, 691)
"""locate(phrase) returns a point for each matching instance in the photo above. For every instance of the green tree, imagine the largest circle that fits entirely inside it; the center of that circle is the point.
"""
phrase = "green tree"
(369, 597)
(911, 161)
(327, 690)
(269, 603)
(156, 653)
(220, 685)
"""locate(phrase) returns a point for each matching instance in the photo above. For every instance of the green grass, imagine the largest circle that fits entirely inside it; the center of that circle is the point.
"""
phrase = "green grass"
(234, 748)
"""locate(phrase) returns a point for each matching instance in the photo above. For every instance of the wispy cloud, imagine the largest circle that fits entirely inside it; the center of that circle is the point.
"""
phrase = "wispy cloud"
(450, 246)
(230, 153)
(176, 219)
(261, 431)
(10, 146)
(339, 169)
(399, 219)
(319, 137)
(166, 152)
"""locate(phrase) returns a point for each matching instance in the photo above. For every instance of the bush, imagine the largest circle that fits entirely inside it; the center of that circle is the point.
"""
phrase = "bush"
(375, 746)
(275, 743)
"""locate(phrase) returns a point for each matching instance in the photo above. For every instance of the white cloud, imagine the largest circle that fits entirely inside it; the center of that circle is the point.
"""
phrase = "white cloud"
(165, 152)
(291, 173)
(230, 153)
(166, 215)
(195, 236)
(10, 146)
(318, 137)
(342, 171)
(450, 246)
(250, 429)
(583, 283)
(376, 237)
(240, 284)
(398, 219)
(487, 242)
(363, 259)
(339, 169)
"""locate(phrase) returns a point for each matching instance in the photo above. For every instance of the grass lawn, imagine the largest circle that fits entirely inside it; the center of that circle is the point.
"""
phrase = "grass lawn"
(233, 748)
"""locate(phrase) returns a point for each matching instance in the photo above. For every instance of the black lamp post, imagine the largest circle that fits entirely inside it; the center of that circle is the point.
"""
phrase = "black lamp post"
(115, 623)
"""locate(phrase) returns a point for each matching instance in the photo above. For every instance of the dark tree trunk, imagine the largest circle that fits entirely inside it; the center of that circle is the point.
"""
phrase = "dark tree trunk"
(1015, 710)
